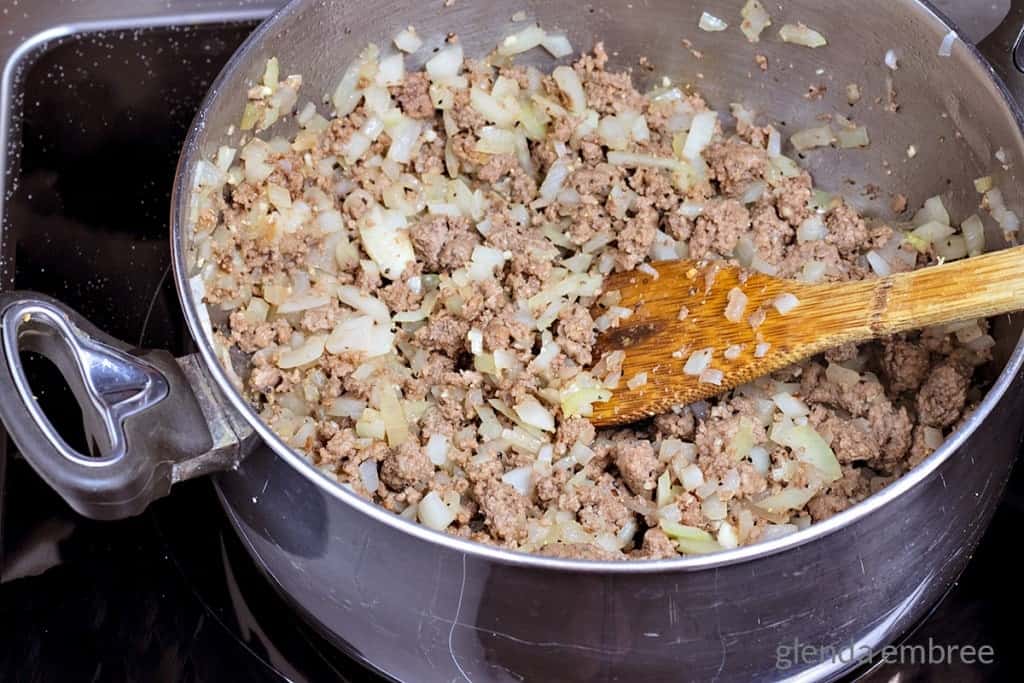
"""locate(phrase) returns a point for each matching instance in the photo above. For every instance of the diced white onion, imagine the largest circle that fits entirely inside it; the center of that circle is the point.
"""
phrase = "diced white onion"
(527, 39)
(446, 64)
(709, 22)
(711, 376)
(946, 47)
(368, 475)
(702, 130)
(785, 302)
(638, 380)
(974, 235)
(802, 35)
(890, 59)
(878, 264)
(557, 45)
(569, 83)
(790, 405)
(520, 478)
(737, 304)
(761, 349)
(433, 512)
(755, 20)
(534, 414)
(698, 361)
(812, 137)
(408, 40)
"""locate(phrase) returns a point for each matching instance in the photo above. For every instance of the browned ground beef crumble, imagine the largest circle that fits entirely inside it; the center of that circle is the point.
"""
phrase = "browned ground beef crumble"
(874, 404)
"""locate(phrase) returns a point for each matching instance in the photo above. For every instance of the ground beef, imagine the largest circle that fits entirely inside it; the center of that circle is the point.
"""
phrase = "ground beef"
(414, 97)
(943, 395)
(504, 510)
(656, 546)
(847, 230)
(719, 228)
(406, 466)
(462, 372)
(443, 242)
(771, 234)
(735, 165)
(905, 364)
(576, 333)
(637, 465)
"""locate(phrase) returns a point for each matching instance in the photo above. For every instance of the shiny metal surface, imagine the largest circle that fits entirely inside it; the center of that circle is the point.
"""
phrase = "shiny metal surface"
(423, 606)
(149, 422)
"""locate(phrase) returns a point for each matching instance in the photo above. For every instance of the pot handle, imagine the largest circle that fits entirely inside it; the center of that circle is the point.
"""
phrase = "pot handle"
(152, 420)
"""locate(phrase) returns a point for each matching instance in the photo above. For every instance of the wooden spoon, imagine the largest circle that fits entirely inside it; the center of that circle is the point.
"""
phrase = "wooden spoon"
(657, 342)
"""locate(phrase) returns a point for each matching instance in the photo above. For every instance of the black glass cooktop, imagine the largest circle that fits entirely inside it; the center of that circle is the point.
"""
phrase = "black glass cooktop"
(171, 596)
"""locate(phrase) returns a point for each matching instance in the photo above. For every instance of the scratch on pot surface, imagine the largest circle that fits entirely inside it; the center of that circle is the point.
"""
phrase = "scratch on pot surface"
(455, 622)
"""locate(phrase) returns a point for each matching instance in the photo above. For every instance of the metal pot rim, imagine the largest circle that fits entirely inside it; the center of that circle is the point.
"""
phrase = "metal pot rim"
(872, 504)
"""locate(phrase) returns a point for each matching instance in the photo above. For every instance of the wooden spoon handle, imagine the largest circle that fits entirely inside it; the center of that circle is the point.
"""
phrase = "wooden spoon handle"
(977, 287)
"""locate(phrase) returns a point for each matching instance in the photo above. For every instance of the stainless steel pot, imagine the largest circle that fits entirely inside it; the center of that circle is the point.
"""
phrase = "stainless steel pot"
(419, 605)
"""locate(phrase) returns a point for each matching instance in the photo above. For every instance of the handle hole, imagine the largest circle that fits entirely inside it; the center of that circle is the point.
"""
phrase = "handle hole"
(55, 398)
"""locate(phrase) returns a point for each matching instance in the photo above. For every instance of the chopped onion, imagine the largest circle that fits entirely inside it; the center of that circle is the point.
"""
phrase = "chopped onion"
(789, 498)
(570, 85)
(386, 240)
(946, 47)
(755, 20)
(391, 71)
(408, 40)
(737, 304)
(761, 349)
(850, 138)
(1006, 219)
(785, 302)
(760, 459)
(808, 446)
(437, 449)
(483, 262)
(812, 137)
(527, 39)
(698, 361)
(364, 303)
(753, 193)
(360, 333)
(446, 64)
(811, 229)
(403, 140)
(733, 352)
(368, 475)
(983, 185)
(774, 148)
(878, 264)
(534, 414)
(702, 130)
(933, 211)
(951, 248)
(433, 512)
(302, 301)
(638, 380)
(310, 350)
(790, 405)
(709, 22)
(802, 35)
(557, 44)
(890, 59)
(520, 478)
(711, 376)
(631, 160)
(974, 235)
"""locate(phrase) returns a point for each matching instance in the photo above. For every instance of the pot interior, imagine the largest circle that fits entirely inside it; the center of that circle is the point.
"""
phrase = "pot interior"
(950, 121)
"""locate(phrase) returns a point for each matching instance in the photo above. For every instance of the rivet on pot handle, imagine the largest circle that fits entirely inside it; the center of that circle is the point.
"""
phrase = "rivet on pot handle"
(153, 420)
